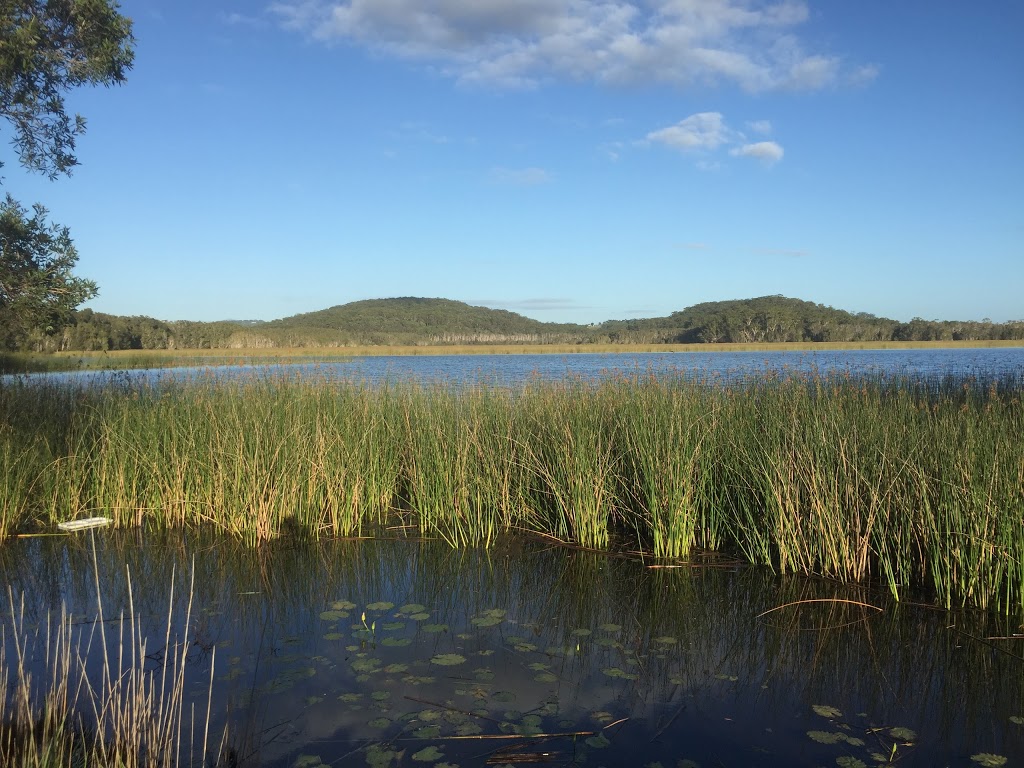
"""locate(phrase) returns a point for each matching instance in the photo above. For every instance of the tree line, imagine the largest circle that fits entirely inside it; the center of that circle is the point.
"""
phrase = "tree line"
(769, 319)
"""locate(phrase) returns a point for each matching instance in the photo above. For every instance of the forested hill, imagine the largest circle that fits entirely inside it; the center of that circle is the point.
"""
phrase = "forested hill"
(773, 319)
(407, 321)
(411, 320)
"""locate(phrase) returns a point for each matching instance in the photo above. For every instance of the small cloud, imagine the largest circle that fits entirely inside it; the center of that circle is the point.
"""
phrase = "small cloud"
(760, 126)
(612, 150)
(521, 177)
(242, 20)
(702, 131)
(863, 76)
(768, 152)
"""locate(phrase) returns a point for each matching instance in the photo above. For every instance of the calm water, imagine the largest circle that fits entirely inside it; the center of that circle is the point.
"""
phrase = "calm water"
(511, 369)
(529, 639)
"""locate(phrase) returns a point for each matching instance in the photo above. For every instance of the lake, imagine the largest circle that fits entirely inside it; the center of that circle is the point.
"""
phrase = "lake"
(404, 652)
(512, 369)
(398, 652)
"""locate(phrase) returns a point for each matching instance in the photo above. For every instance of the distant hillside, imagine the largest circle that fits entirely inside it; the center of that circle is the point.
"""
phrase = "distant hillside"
(411, 320)
(417, 321)
(772, 319)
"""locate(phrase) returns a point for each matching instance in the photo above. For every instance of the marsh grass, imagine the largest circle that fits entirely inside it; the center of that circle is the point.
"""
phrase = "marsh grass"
(72, 696)
(915, 483)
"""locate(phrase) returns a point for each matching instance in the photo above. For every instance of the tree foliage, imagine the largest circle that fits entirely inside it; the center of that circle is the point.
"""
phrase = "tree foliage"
(48, 47)
(37, 289)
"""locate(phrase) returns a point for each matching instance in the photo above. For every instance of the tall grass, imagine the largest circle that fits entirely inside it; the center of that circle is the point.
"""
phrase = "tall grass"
(68, 697)
(913, 483)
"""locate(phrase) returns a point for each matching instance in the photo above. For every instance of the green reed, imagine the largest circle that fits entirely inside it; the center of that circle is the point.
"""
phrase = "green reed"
(912, 483)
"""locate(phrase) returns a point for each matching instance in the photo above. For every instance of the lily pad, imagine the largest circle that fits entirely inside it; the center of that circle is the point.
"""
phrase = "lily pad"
(619, 673)
(396, 642)
(489, 618)
(342, 605)
(421, 616)
(826, 711)
(598, 742)
(333, 615)
(848, 761)
(379, 722)
(428, 755)
(381, 606)
(448, 659)
(427, 732)
(412, 608)
(307, 761)
(988, 760)
(903, 734)
(434, 628)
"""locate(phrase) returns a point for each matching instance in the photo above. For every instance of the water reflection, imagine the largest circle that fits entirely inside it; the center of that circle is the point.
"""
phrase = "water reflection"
(531, 638)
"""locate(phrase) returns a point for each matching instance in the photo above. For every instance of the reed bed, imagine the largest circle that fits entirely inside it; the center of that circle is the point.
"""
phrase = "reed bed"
(71, 696)
(914, 483)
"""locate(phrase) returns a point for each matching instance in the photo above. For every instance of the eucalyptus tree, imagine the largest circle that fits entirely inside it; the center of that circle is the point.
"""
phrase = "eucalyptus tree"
(47, 48)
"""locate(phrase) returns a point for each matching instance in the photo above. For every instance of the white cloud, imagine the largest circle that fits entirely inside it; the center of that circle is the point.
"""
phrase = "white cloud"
(520, 43)
(767, 152)
(521, 177)
(703, 131)
(760, 126)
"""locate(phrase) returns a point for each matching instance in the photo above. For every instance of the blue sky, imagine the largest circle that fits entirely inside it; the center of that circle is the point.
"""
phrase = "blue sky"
(567, 160)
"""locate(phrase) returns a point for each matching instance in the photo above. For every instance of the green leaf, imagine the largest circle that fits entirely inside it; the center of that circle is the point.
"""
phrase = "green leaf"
(448, 659)
(428, 755)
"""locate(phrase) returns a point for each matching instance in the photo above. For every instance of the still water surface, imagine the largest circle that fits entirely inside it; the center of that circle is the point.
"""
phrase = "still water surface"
(513, 369)
(644, 666)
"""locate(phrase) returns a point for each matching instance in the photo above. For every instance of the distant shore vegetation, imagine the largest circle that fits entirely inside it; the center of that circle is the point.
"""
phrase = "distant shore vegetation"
(417, 322)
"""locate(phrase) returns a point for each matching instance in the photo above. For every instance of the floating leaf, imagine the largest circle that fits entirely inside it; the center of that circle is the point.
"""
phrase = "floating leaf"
(666, 640)
(825, 737)
(489, 618)
(988, 760)
(333, 615)
(1017, 719)
(482, 673)
(381, 606)
(619, 673)
(434, 627)
(546, 677)
(334, 636)
(847, 761)
(422, 616)
(610, 627)
(343, 605)
(366, 665)
(311, 700)
(826, 711)
(380, 695)
(427, 732)
(729, 678)
(378, 756)
(598, 742)
(448, 659)
(428, 755)
(582, 632)
(903, 734)
(396, 669)
(412, 608)
(379, 722)
(468, 729)
(503, 696)
(396, 642)
(350, 697)
(307, 761)
(685, 763)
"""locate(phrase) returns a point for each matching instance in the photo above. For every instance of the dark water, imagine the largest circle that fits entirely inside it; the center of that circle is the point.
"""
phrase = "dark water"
(528, 638)
(510, 369)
